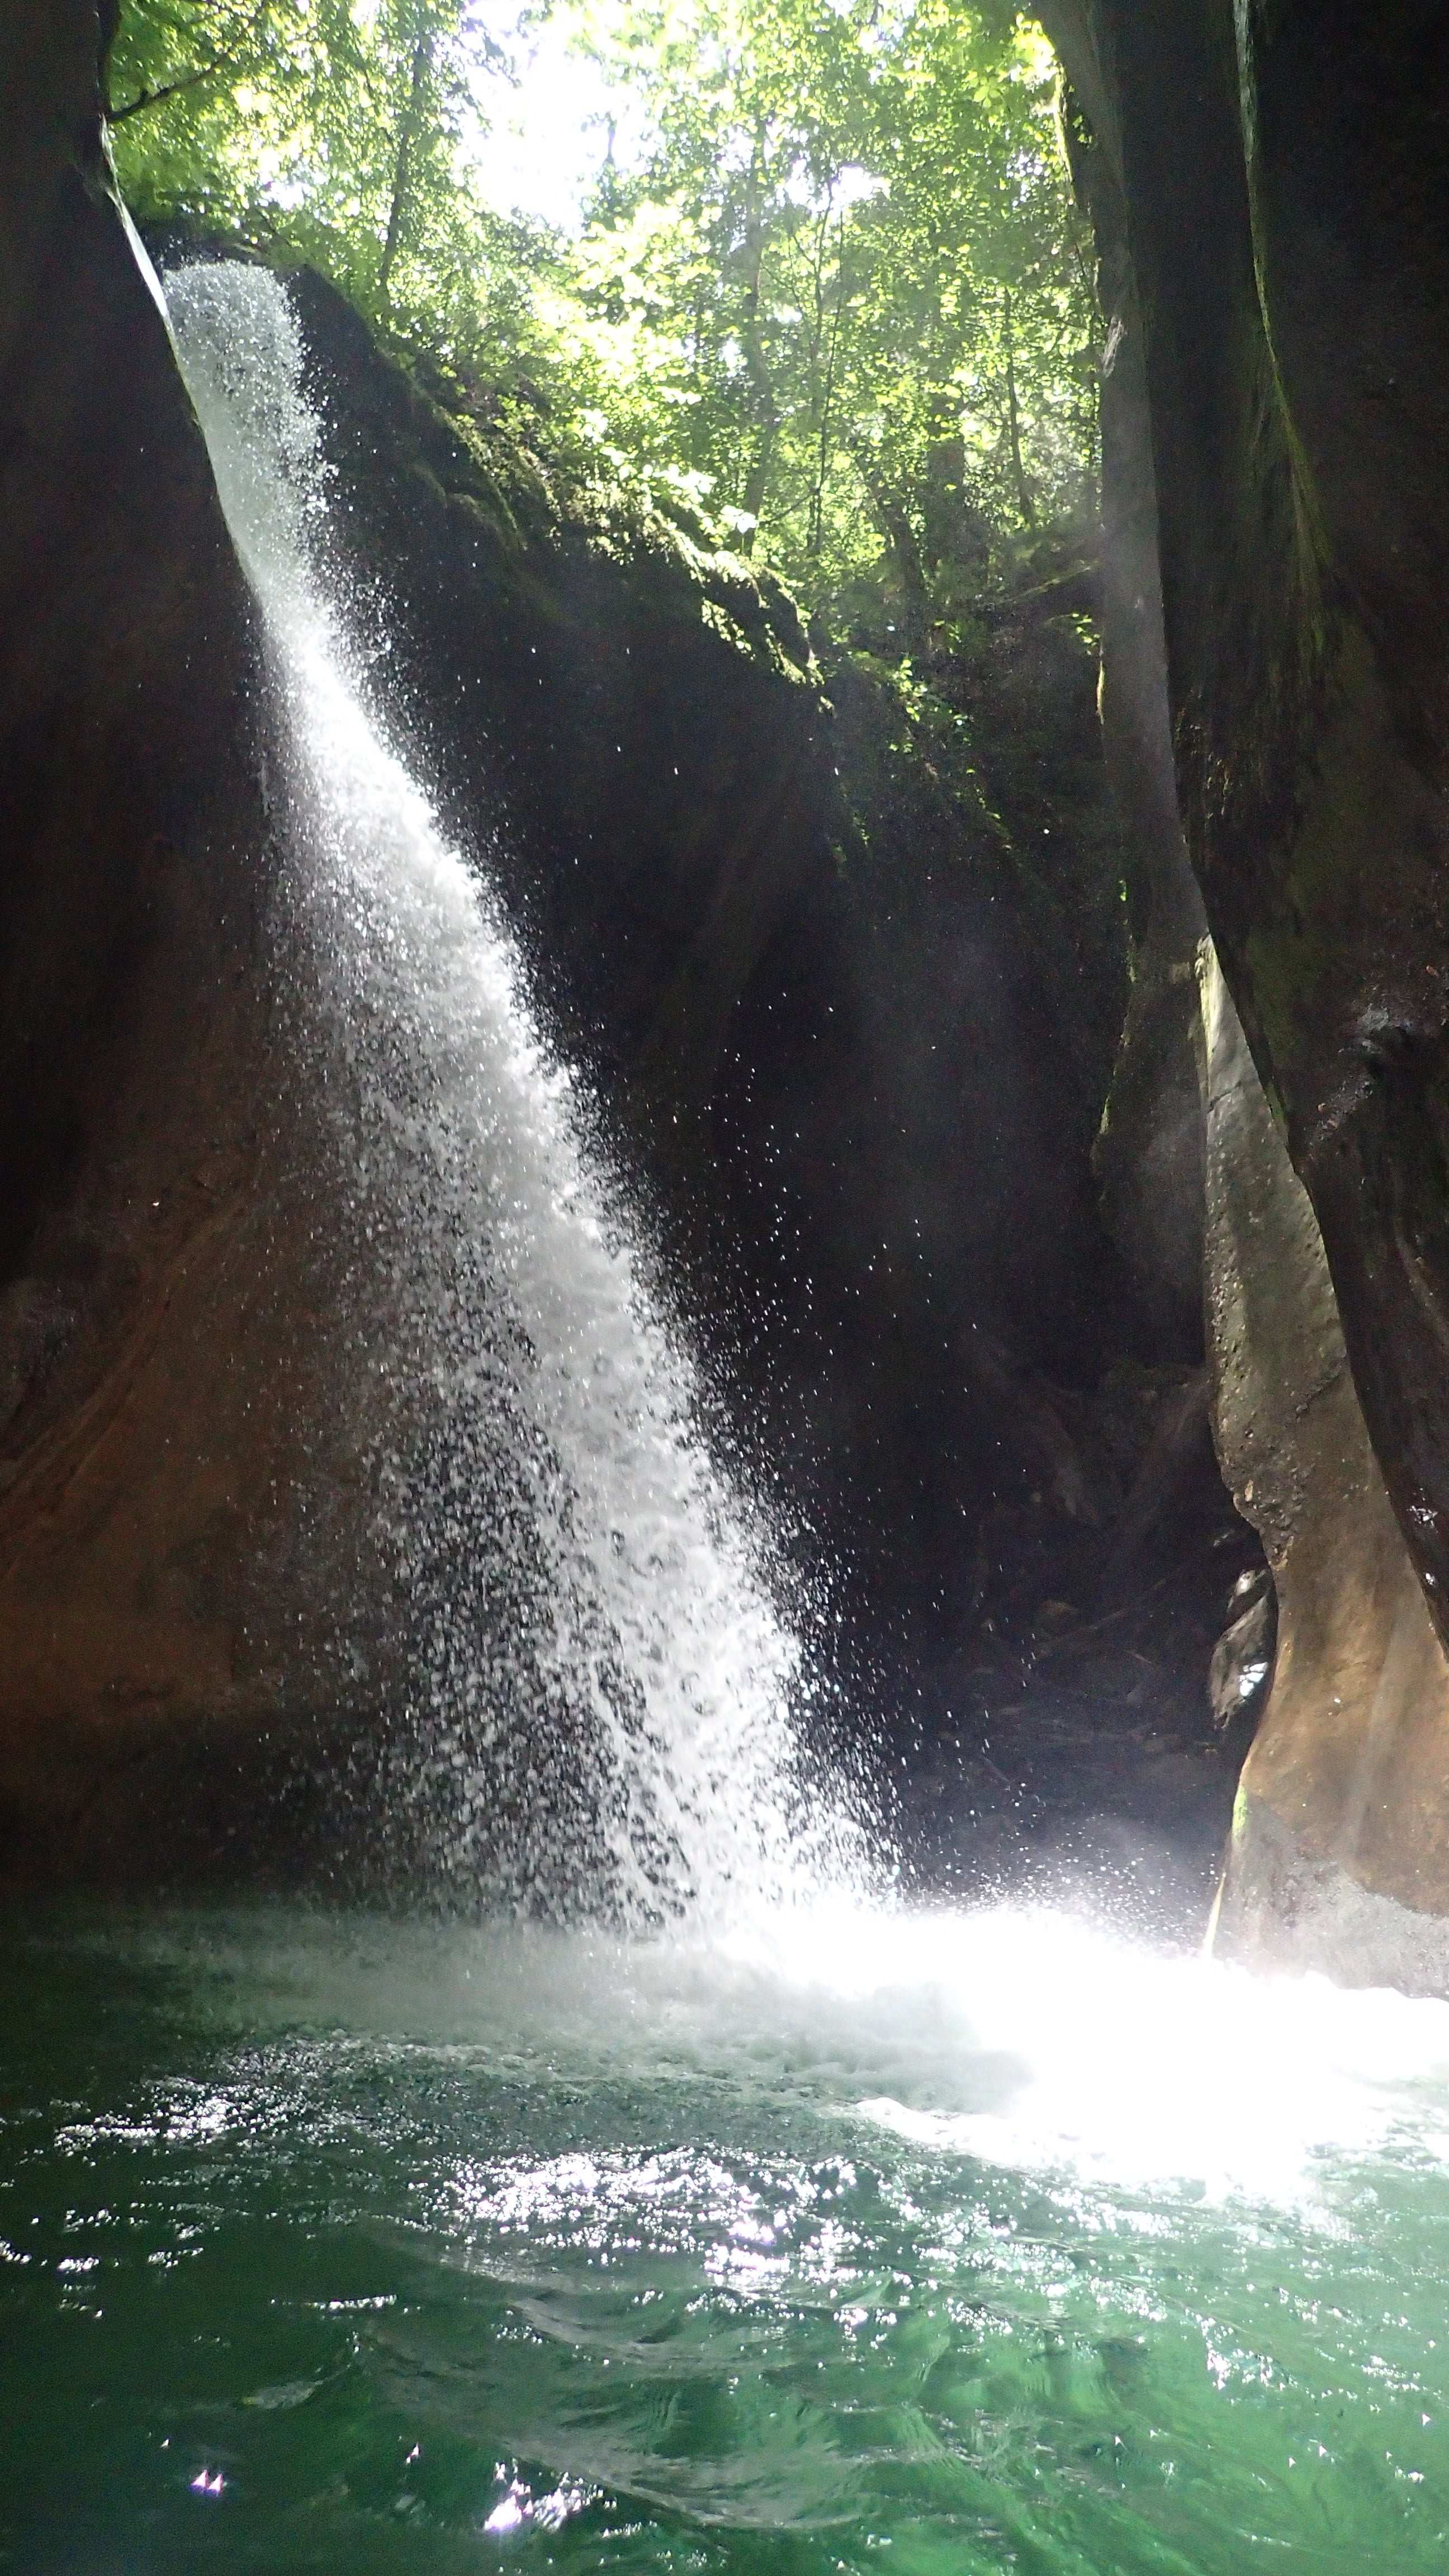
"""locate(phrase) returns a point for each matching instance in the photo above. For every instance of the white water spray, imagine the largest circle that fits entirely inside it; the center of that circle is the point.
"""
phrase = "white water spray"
(562, 1540)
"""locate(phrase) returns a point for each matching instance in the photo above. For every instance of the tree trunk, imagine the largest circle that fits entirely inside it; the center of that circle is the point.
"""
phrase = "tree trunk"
(752, 342)
(1024, 501)
(897, 527)
(822, 461)
(408, 131)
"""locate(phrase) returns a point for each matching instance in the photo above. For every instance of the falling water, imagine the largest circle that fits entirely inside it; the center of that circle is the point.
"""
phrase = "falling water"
(573, 1570)
(821, 2230)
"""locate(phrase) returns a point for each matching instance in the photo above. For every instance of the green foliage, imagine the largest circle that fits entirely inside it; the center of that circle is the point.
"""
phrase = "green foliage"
(849, 285)
(339, 133)
(841, 304)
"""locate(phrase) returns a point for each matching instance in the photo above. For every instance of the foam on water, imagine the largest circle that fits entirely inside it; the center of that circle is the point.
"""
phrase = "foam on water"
(1030, 2038)
(545, 1424)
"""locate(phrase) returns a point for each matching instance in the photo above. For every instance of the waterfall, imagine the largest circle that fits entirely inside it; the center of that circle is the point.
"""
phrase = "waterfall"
(600, 1686)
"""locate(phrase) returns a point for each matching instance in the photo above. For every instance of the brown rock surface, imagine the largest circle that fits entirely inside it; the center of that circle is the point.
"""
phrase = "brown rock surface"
(1339, 1857)
(150, 1420)
(1283, 173)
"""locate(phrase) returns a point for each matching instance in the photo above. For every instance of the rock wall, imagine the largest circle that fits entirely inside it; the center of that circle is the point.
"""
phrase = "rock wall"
(1148, 1156)
(1339, 1856)
(1284, 178)
(625, 724)
(1261, 178)
(140, 1441)
(807, 985)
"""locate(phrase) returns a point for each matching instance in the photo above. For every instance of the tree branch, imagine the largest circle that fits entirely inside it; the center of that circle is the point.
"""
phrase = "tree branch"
(172, 89)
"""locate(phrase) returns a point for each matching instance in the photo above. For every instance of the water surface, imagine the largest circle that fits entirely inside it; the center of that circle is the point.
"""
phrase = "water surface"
(985, 2242)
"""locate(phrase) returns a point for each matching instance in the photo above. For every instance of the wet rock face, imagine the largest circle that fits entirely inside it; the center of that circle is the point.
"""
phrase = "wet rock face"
(1148, 1156)
(1287, 226)
(179, 1508)
(132, 878)
(1264, 201)
(1242, 1659)
(105, 738)
(627, 727)
(1340, 1841)
(1355, 159)
(814, 1007)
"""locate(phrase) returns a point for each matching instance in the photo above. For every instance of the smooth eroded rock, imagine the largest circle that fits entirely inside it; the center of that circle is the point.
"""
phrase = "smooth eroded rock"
(1339, 1857)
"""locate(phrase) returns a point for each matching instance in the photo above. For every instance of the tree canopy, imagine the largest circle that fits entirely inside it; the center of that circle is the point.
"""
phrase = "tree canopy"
(837, 299)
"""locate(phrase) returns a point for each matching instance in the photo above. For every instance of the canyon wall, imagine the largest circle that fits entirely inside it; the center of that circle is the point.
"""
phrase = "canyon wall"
(141, 1443)
(1339, 1853)
(1267, 192)
(839, 1058)
(808, 988)
(1282, 178)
